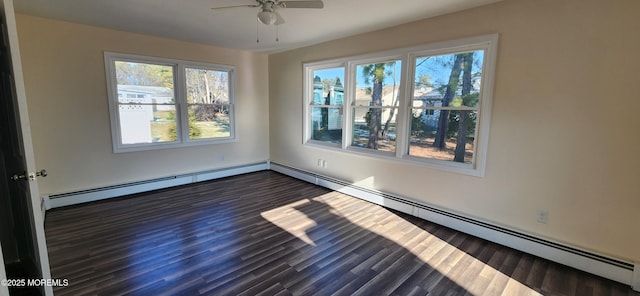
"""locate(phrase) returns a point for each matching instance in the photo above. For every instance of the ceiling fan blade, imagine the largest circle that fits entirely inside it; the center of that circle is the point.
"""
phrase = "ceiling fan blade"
(279, 19)
(302, 4)
(234, 6)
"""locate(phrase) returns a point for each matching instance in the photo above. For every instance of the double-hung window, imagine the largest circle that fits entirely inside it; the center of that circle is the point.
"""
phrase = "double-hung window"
(326, 104)
(375, 105)
(163, 103)
(429, 105)
(445, 105)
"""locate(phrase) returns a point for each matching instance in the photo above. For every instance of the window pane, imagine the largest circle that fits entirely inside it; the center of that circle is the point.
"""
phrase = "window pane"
(327, 86)
(326, 124)
(147, 124)
(449, 80)
(144, 83)
(444, 135)
(207, 86)
(378, 84)
(149, 87)
(209, 121)
(374, 128)
(208, 90)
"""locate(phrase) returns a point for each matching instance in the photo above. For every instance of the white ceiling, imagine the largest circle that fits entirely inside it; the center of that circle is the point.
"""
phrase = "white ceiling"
(193, 20)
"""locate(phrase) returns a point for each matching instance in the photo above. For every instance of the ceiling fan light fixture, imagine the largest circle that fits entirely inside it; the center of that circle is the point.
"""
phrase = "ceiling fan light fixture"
(267, 17)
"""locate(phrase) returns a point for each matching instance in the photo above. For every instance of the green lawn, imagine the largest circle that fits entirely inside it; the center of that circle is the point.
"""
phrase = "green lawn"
(163, 130)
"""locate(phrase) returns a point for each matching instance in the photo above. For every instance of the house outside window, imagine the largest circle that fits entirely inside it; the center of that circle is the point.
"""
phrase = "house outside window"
(428, 105)
(163, 103)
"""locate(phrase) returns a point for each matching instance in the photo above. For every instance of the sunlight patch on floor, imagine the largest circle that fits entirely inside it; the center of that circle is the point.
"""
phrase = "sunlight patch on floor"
(419, 242)
(425, 245)
(285, 215)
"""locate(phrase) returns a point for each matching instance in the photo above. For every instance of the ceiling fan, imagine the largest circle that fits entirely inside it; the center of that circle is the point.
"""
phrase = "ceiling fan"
(269, 15)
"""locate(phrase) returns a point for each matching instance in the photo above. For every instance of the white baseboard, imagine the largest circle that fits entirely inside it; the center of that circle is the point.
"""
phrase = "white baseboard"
(635, 284)
(72, 198)
(611, 268)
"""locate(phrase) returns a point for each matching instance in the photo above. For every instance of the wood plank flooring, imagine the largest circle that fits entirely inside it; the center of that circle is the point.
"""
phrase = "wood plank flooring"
(268, 234)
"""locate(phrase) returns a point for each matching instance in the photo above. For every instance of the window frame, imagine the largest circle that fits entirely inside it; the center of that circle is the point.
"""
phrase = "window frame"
(180, 102)
(374, 59)
(308, 103)
(185, 120)
(407, 56)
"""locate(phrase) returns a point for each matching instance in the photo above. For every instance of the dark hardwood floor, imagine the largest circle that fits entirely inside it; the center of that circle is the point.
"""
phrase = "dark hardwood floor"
(268, 234)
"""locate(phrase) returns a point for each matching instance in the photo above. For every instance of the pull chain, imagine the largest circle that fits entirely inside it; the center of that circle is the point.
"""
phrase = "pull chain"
(257, 33)
(277, 26)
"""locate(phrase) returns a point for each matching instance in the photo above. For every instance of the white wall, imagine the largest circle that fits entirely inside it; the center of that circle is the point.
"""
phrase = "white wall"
(564, 130)
(67, 95)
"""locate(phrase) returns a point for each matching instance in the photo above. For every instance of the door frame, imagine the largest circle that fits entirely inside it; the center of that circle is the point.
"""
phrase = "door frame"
(4, 290)
(7, 9)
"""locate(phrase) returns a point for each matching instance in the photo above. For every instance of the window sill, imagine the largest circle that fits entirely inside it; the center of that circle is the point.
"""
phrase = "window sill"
(171, 145)
(441, 165)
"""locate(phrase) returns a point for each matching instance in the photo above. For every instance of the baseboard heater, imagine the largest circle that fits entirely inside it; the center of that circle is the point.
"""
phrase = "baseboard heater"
(82, 196)
(611, 268)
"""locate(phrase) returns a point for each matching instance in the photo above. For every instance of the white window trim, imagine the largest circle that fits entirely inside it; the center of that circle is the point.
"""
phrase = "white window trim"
(372, 59)
(182, 119)
(488, 43)
(308, 87)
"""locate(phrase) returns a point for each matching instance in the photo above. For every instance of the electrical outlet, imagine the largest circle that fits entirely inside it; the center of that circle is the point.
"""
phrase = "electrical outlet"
(543, 216)
(322, 163)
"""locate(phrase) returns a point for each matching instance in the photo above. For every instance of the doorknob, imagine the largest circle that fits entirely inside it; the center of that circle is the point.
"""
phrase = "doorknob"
(41, 173)
(17, 177)
(30, 176)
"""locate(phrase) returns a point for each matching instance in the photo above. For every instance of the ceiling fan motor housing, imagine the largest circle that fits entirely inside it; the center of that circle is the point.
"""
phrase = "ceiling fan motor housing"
(268, 14)
(267, 17)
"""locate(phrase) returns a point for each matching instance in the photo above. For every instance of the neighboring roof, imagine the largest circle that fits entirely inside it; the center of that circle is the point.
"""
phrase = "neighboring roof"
(429, 94)
(154, 91)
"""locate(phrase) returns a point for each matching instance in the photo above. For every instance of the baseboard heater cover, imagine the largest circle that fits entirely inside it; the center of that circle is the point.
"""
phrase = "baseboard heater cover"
(611, 268)
(82, 196)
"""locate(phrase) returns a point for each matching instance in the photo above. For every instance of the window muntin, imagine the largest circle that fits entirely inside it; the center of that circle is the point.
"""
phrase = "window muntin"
(326, 106)
(417, 105)
(445, 105)
(162, 103)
